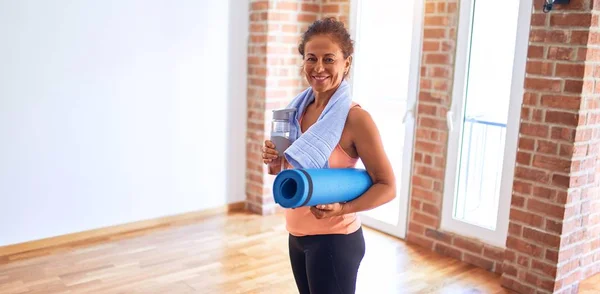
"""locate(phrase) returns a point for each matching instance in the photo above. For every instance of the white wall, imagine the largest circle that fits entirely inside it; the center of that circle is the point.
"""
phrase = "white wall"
(115, 111)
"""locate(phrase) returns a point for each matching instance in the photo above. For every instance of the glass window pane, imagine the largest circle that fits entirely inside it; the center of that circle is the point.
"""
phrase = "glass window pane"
(485, 113)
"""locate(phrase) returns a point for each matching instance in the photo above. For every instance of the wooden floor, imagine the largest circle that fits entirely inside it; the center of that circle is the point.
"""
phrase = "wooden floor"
(239, 253)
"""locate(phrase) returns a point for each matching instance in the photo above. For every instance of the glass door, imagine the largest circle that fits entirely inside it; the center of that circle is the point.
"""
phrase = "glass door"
(488, 90)
(384, 81)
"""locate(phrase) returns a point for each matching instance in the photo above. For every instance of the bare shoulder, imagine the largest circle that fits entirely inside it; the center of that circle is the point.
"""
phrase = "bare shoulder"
(369, 145)
(360, 120)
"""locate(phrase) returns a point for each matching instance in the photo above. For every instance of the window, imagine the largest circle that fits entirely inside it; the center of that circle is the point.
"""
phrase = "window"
(385, 77)
(484, 116)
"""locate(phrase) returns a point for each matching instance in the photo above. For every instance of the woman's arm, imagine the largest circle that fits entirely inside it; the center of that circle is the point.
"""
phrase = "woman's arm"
(369, 147)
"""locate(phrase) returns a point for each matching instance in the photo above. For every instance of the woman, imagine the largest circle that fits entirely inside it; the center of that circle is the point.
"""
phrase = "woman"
(326, 243)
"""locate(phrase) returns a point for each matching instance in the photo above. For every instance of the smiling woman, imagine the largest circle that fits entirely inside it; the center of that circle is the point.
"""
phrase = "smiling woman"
(326, 243)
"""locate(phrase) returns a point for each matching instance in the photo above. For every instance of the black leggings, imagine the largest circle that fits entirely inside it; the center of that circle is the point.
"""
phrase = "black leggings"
(326, 263)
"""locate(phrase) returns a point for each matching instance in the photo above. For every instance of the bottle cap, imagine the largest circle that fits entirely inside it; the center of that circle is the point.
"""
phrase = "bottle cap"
(283, 114)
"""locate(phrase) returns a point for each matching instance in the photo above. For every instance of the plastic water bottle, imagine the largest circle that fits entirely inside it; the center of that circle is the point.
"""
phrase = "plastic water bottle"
(280, 136)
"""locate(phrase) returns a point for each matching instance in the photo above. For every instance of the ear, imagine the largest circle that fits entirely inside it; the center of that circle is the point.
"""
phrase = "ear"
(348, 65)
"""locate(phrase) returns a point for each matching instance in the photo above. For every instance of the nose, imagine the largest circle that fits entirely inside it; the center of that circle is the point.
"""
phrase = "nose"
(319, 67)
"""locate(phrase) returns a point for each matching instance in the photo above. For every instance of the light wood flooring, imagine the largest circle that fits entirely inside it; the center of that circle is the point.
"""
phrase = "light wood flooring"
(235, 253)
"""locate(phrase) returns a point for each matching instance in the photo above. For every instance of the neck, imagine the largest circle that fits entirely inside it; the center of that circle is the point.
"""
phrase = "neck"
(322, 98)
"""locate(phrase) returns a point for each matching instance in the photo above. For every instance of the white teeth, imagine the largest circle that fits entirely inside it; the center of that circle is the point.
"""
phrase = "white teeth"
(320, 78)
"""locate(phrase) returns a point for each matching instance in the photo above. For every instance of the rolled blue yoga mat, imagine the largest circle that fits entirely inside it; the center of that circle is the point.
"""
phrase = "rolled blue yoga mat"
(308, 187)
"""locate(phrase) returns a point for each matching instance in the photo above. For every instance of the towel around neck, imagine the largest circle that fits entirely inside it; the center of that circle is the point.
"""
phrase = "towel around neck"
(312, 148)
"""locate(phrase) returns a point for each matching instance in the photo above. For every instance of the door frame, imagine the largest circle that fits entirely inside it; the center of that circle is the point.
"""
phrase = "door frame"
(404, 182)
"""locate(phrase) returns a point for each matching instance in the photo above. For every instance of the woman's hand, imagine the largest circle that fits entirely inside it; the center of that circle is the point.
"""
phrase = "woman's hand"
(327, 210)
(269, 153)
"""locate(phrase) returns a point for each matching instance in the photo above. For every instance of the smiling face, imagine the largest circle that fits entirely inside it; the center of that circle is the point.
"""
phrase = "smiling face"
(324, 64)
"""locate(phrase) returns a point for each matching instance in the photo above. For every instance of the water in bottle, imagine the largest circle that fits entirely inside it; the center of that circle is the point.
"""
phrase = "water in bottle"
(280, 136)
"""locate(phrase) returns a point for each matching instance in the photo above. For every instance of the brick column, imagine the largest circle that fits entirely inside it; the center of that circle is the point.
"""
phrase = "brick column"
(257, 82)
(274, 78)
(437, 67)
(554, 231)
(340, 9)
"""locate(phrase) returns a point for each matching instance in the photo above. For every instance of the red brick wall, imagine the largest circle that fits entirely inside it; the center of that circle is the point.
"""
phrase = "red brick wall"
(257, 68)
(591, 259)
(590, 204)
(437, 61)
(553, 232)
(339, 9)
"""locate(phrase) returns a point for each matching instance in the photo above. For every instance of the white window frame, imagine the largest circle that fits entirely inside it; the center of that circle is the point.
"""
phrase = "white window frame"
(498, 236)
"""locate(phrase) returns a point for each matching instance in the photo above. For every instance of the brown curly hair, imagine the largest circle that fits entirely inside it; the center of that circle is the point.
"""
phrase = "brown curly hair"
(332, 27)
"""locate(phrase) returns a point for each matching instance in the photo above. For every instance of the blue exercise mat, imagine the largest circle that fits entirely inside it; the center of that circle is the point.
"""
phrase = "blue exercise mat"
(309, 187)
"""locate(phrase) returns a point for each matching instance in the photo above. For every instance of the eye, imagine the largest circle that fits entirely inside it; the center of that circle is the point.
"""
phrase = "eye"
(329, 60)
(311, 59)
